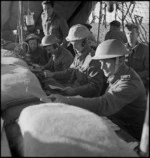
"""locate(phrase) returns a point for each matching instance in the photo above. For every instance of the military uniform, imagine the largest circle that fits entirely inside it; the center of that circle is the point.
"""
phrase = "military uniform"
(115, 34)
(39, 56)
(124, 101)
(84, 75)
(55, 25)
(138, 59)
(61, 62)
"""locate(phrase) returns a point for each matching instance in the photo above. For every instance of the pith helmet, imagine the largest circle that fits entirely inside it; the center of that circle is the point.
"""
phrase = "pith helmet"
(78, 32)
(110, 49)
(32, 36)
(49, 40)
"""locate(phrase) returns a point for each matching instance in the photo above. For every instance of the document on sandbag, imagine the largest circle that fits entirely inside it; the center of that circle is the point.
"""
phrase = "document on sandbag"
(33, 91)
(56, 87)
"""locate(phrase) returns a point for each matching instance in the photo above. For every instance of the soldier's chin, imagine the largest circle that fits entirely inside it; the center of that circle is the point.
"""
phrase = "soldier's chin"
(107, 74)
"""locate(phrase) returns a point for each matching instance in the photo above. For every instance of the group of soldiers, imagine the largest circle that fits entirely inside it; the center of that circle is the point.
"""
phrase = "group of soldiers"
(111, 78)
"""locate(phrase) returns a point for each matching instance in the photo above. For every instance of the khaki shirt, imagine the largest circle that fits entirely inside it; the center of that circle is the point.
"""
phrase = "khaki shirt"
(125, 100)
(119, 35)
(138, 59)
(55, 25)
(61, 62)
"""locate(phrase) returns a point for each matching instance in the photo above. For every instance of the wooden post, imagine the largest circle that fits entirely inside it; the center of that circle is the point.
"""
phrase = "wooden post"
(144, 144)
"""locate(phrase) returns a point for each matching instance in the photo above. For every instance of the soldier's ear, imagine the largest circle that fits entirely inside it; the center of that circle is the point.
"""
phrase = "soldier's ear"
(55, 46)
(84, 42)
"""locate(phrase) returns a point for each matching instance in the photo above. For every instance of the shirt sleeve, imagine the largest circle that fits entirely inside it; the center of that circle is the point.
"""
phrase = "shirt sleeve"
(110, 103)
(50, 65)
(65, 29)
(95, 83)
(145, 72)
(67, 61)
(65, 74)
(43, 22)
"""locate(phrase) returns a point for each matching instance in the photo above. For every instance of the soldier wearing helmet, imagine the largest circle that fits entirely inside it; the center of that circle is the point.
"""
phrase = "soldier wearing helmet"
(84, 76)
(36, 54)
(61, 58)
(124, 101)
(138, 58)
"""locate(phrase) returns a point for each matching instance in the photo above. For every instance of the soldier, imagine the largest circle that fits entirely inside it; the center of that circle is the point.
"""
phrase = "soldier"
(61, 58)
(138, 58)
(115, 33)
(124, 101)
(53, 24)
(84, 76)
(36, 55)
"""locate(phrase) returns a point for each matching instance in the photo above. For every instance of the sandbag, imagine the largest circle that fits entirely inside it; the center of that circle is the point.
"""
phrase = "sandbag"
(13, 61)
(14, 81)
(7, 53)
(56, 129)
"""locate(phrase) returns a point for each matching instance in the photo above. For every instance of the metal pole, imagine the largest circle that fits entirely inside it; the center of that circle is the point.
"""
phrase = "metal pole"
(20, 23)
(100, 12)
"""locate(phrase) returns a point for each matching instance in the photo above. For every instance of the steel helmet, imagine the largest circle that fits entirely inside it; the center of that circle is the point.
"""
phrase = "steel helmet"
(49, 40)
(111, 48)
(78, 32)
(32, 36)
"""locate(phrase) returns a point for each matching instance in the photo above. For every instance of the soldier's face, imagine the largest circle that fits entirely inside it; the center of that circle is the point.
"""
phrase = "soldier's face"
(132, 36)
(108, 66)
(47, 9)
(33, 44)
(77, 45)
(50, 49)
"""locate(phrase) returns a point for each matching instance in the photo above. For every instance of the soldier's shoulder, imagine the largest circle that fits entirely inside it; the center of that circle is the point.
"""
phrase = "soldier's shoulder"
(125, 77)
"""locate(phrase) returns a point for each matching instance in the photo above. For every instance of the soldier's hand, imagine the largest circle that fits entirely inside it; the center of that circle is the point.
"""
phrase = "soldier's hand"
(48, 73)
(57, 98)
(69, 91)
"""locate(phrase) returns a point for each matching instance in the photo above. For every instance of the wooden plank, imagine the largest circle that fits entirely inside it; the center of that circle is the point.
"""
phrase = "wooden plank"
(5, 150)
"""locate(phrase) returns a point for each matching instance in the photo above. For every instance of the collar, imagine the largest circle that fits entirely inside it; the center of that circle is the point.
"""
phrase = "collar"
(87, 50)
(132, 48)
(50, 18)
(122, 71)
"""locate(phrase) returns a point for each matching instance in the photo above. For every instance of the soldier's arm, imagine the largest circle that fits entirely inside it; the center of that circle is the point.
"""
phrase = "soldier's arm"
(111, 102)
(145, 72)
(67, 61)
(65, 29)
(95, 83)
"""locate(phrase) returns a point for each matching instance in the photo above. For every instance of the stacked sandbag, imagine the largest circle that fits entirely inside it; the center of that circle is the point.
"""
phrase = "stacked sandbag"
(14, 81)
(56, 129)
(13, 61)
(7, 53)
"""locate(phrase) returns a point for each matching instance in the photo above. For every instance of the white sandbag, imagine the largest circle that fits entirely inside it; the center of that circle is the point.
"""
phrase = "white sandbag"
(14, 81)
(13, 61)
(56, 129)
(7, 53)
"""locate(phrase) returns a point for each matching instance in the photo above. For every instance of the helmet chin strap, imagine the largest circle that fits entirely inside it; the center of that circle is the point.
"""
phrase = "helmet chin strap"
(116, 65)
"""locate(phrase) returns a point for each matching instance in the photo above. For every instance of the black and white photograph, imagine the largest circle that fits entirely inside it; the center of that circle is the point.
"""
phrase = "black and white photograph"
(74, 78)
